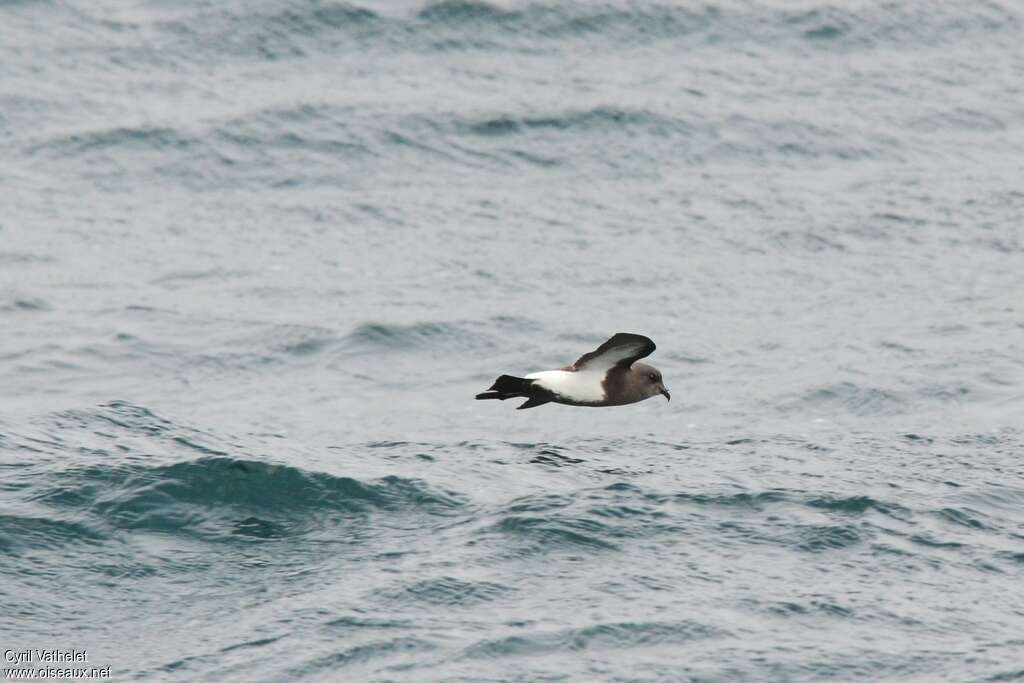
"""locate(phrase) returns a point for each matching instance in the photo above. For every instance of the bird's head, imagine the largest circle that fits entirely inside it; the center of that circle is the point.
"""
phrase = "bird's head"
(650, 380)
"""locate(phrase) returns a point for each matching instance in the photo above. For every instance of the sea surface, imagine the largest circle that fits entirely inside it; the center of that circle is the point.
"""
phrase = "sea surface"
(257, 256)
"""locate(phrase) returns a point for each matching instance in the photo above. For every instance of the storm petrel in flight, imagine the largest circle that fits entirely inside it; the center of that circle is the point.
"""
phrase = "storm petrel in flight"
(607, 376)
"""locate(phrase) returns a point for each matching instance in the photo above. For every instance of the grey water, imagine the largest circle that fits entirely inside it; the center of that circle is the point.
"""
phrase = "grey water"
(257, 257)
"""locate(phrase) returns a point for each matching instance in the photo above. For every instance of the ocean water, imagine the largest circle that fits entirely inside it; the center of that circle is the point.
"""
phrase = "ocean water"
(257, 257)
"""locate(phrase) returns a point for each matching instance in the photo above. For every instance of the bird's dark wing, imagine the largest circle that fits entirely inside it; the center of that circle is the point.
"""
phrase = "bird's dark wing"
(623, 349)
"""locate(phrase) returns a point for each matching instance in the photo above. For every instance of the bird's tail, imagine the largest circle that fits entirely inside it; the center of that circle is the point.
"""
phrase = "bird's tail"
(507, 386)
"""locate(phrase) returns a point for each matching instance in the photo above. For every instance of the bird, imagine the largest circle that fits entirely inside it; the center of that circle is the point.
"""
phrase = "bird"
(607, 376)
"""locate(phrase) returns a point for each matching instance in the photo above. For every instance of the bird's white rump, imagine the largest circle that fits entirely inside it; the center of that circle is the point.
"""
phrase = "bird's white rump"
(581, 387)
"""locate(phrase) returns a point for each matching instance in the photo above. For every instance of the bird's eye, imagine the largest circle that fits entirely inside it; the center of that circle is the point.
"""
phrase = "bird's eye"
(654, 378)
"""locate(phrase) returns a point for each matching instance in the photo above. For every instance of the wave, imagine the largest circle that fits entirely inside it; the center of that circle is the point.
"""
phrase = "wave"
(871, 401)
(322, 144)
(296, 29)
(215, 348)
(24, 304)
(302, 28)
(404, 646)
(545, 534)
(14, 258)
(605, 519)
(605, 635)
(123, 468)
(224, 497)
(449, 591)
(848, 397)
(584, 119)
(373, 337)
(867, 25)
(115, 477)
(138, 137)
(19, 532)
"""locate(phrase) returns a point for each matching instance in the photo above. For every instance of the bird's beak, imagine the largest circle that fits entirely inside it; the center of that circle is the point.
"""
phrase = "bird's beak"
(664, 392)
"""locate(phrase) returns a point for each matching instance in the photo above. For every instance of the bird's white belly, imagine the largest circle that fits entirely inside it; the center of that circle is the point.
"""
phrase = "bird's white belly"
(584, 387)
